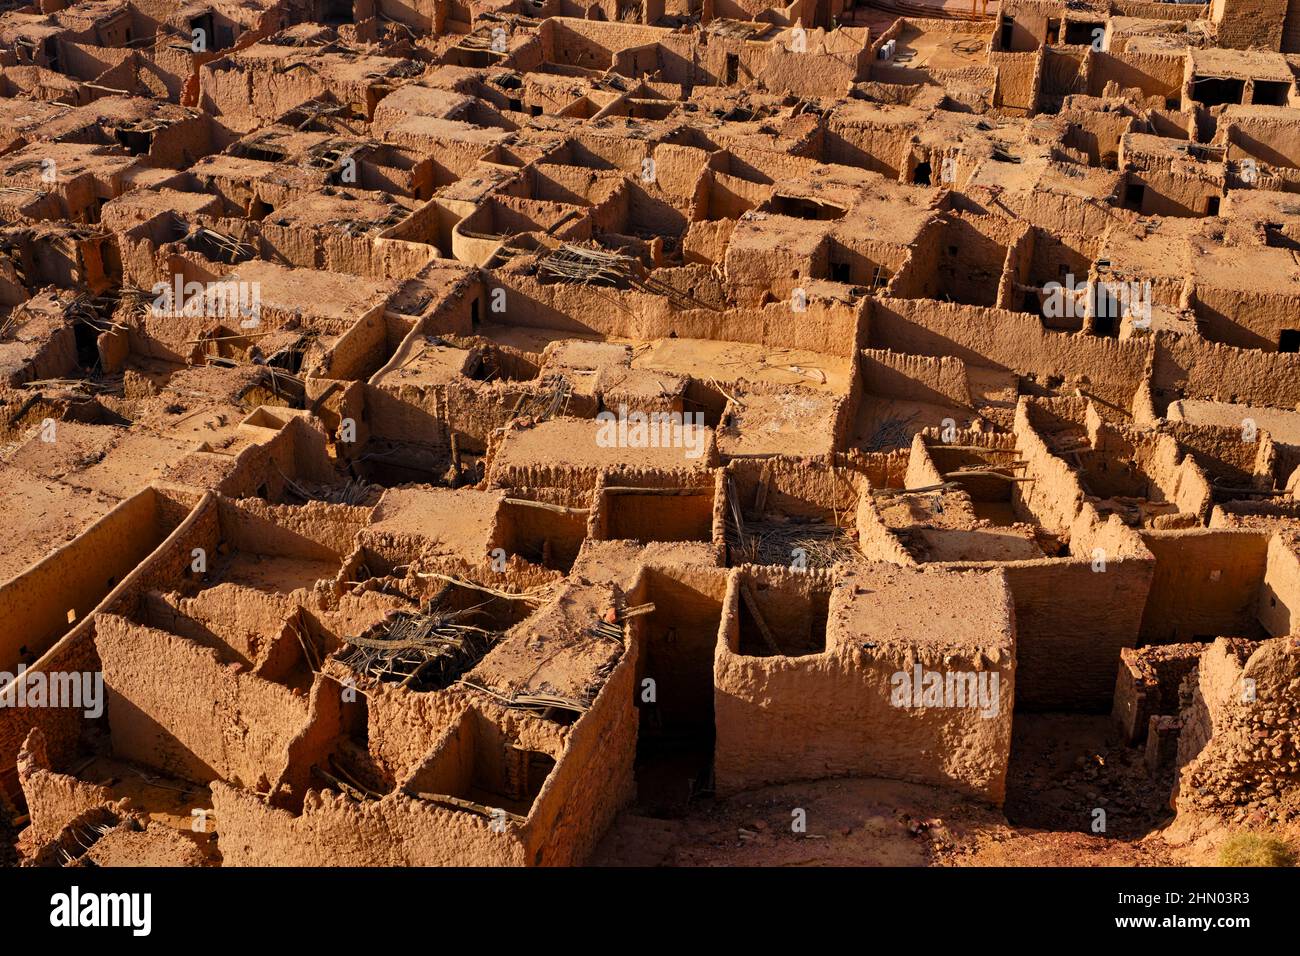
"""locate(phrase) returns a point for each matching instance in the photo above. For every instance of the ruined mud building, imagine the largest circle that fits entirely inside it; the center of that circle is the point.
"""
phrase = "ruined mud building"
(365, 584)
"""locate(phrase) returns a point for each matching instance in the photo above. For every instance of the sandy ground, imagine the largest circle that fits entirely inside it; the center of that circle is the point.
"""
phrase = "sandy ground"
(1063, 767)
(859, 822)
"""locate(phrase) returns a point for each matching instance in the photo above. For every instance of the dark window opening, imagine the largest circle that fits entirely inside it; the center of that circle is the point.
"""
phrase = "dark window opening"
(133, 141)
(1212, 205)
(1270, 93)
(52, 53)
(732, 70)
(1082, 32)
(201, 29)
(1210, 91)
(1134, 194)
(921, 175)
(800, 208)
(1008, 28)
(337, 11)
(1288, 340)
(840, 272)
(1053, 32)
(1105, 309)
(473, 313)
(1105, 325)
(87, 339)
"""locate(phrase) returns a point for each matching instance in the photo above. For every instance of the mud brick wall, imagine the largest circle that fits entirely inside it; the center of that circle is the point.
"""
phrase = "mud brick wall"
(1279, 597)
(781, 719)
(1249, 24)
(153, 678)
(1207, 583)
(1148, 683)
(1239, 746)
(992, 337)
(1070, 628)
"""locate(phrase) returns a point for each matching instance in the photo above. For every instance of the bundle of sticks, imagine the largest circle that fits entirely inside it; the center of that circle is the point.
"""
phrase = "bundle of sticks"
(421, 650)
(355, 491)
(553, 400)
(892, 433)
(790, 540)
(785, 541)
(571, 263)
